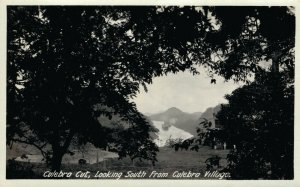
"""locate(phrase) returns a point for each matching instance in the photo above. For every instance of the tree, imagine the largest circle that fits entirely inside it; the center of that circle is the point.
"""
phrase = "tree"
(259, 42)
(136, 143)
(66, 63)
(264, 138)
(208, 136)
(250, 38)
(258, 112)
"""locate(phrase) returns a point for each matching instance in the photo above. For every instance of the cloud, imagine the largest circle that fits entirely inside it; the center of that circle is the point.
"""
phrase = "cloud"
(184, 91)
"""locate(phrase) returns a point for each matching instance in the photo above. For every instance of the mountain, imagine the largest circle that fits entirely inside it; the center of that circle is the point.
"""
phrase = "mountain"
(170, 113)
(186, 121)
(196, 115)
(209, 114)
(179, 119)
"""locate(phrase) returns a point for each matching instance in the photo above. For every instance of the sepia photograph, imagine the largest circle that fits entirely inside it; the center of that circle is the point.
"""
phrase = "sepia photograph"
(158, 92)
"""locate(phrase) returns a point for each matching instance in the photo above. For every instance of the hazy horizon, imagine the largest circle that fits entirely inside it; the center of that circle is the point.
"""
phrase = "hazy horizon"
(184, 91)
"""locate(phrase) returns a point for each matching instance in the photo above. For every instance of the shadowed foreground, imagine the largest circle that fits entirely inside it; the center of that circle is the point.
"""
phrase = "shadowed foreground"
(169, 162)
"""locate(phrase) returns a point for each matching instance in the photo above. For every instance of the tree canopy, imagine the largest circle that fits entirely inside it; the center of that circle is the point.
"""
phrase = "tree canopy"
(261, 125)
(259, 118)
(64, 63)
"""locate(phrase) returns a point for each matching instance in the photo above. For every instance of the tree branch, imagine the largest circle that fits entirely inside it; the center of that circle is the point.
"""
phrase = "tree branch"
(40, 148)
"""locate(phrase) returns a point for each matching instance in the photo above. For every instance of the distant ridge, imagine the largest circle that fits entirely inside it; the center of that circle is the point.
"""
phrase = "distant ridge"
(186, 121)
(176, 117)
(210, 113)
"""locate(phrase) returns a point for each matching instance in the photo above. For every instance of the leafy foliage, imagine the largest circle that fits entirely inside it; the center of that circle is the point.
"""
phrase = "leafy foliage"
(259, 118)
(249, 37)
(65, 62)
(261, 125)
(211, 137)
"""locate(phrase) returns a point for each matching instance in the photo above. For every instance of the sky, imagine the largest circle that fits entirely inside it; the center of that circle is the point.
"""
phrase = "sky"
(184, 91)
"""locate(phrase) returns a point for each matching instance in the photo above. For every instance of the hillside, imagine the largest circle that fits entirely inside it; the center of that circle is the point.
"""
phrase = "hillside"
(186, 121)
(209, 114)
(182, 120)
(116, 122)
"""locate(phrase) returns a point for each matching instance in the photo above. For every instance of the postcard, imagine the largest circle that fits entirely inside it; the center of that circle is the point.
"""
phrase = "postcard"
(152, 93)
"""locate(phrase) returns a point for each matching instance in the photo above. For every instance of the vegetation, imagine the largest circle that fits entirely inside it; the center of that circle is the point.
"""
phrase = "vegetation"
(259, 118)
(67, 66)
(261, 125)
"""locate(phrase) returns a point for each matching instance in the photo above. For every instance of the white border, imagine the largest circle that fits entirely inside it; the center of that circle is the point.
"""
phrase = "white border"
(137, 182)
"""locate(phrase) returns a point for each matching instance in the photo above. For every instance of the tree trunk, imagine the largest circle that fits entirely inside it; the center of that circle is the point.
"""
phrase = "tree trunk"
(59, 151)
(56, 160)
(275, 61)
(275, 109)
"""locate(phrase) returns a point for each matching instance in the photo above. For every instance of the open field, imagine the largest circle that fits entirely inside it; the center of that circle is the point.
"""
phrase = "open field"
(169, 162)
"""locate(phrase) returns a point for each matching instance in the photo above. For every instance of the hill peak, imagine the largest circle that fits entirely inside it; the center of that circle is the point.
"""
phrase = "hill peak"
(173, 109)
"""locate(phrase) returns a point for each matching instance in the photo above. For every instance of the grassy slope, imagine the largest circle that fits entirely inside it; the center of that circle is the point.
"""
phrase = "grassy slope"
(168, 161)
